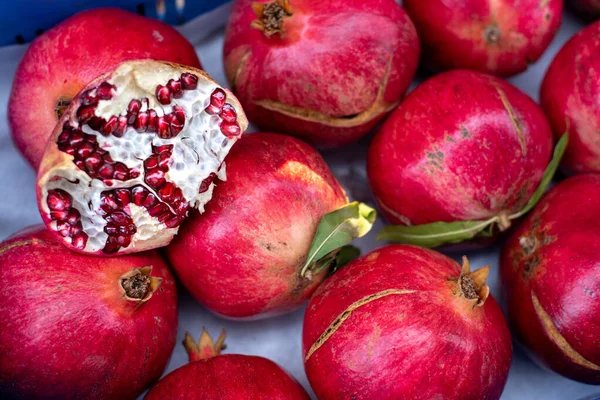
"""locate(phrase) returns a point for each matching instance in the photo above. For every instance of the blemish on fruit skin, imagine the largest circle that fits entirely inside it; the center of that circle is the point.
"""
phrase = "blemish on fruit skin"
(20, 243)
(156, 35)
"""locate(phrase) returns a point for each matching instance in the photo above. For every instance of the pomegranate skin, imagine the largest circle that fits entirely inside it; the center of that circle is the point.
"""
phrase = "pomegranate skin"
(411, 335)
(311, 84)
(57, 65)
(497, 37)
(550, 269)
(463, 146)
(241, 258)
(68, 332)
(229, 377)
(570, 94)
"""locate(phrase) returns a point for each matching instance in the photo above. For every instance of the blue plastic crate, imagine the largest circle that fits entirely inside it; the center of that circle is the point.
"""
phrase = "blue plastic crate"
(23, 20)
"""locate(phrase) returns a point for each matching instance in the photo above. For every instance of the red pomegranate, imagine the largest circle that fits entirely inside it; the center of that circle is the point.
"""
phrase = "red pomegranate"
(212, 376)
(589, 9)
(63, 60)
(134, 151)
(326, 72)
(405, 322)
(498, 37)
(80, 327)
(242, 258)
(550, 268)
(463, 146)
(570, 96)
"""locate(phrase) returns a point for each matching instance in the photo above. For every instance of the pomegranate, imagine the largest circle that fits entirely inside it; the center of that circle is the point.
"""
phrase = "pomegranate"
(80, 327)
(570, 96)
(326, 72)
(405, 322)
(212, 376)
(134, 151)
(588, 9)
(498, 37)
(243, 257)
(480, 152)
(61, 62)
(550, 268)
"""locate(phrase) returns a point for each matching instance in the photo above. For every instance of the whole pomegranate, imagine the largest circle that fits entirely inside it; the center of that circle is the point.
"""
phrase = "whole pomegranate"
(405, 322)
(463, 146)
(588, 9)
(498, 37)
(550, 268)
(242, 258)
(570, 96)
(133, 152)
(80, 327)
(63, 60)
(212, 376)
(326, 72)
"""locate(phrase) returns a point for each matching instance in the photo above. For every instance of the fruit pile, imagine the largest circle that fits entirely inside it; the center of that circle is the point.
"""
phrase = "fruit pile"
(146, 179)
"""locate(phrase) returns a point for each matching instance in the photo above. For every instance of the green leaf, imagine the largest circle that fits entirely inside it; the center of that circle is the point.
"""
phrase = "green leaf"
(559, 151)
(434, 234)
(339, 228)
(345, 255)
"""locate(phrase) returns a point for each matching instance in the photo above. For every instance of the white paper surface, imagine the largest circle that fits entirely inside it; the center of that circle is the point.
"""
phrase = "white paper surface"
(280, 338)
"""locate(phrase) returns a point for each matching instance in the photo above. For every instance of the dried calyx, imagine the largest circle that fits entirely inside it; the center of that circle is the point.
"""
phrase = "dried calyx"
(471, 285)
(270, 16)
(133, 153)
(206, 347)
(138, 285)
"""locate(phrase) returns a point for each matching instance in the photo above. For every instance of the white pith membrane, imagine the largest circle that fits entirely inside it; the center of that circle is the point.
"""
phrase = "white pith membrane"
(198, 153)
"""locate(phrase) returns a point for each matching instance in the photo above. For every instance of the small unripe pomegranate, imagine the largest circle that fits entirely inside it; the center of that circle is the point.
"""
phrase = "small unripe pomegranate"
(80, 327)
(63, 60)
(212, 376)
(403, 322)
(570, 96)
(550, 269)
(133, 153)
(324, 71)
(500, 37)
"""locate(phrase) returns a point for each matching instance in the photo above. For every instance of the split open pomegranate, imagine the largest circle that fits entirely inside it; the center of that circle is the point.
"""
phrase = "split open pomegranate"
(135, 150)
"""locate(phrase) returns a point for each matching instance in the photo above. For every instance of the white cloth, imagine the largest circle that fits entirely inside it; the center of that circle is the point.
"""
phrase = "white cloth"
(279, 338)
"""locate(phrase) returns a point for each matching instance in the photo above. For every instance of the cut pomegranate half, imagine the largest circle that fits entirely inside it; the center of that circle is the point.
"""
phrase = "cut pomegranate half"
(135, 150)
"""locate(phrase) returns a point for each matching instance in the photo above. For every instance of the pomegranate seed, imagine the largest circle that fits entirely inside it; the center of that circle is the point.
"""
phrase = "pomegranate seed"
(69, 150)
(58, 200)
(111, 245)
(123, 195)
(93, 162)
(212, 110)
(76, 138)
(141, 122)
(189, 81)
(73, 217)
(109, 204)
(133, 173)
(87, 98)
(79, 241)
(64, 136)
(150, 200)
(138, 195)
(228, 113)
(178, 113)
(109, 126)
(162, 149)
(157, 210)
(85, 149)
(59, 215)
(111, 230)
(176, 126)
(175, 88)
(206, 182)
(127, 229)
(96, 123)
(163, 94)
(173, 222)
(163, 217)
(106, 171)
(230, 130)
(162, 127)
(152, 116)
(121, 126)
(77, 228)
(181, 208)
(124, 241)
(151, 162)
(104, 91)
(79, 163)
(167, 191)
(217, 98)
(117, 218)
(121, 172)
(156, 179)
(84, 113)
(163, 161)
(132, 110)
(63, 228)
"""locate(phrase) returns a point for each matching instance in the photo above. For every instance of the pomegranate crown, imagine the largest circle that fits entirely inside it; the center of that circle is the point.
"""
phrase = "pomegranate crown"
(471, 285)
(206, 347)
(137, 285)
(270, 16)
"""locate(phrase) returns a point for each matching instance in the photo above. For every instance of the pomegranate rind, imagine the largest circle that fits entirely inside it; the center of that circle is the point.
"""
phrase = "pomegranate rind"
(138, 75)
